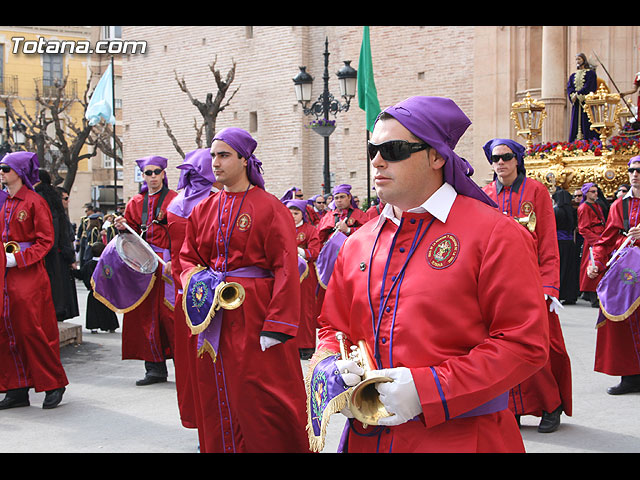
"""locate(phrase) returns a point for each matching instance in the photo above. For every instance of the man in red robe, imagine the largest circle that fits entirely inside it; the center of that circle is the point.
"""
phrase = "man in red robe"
(196, 183)
(618, 342)
(308, 248)
(346, 217)
(547, 393)
(147, 330)
(424, 287)
(251, 388)
(591, 221)
(29, 337)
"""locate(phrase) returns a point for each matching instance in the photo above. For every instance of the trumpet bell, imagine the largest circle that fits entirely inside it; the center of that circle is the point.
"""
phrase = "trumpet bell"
(12, 247)
(529, 222)
(365, 402)
(229, 295)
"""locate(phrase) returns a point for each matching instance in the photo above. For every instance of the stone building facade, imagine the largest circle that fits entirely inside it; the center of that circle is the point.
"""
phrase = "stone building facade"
(483, 68)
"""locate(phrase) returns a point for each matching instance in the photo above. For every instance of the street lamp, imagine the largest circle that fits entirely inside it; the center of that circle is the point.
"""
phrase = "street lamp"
(326, 103)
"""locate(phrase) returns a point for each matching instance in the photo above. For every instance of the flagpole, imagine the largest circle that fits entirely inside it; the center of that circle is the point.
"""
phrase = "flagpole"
(115, 166)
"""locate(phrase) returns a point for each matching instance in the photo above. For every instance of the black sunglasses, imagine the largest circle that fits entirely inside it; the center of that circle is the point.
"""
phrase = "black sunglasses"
(395, 150)
(505, 157)
(157, 171)
(5, 168)
(631, 170)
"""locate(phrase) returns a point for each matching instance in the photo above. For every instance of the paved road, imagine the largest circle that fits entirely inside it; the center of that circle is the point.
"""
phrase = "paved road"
(103, 410)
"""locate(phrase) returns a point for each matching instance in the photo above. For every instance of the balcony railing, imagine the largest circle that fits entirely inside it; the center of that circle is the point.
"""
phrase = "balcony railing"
(48, 87)
(8, 85)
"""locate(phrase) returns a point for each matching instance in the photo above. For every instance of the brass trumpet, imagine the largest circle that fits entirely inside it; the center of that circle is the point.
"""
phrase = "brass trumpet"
(12, 247)
(529, 222)
(229, 295)
(364, 401)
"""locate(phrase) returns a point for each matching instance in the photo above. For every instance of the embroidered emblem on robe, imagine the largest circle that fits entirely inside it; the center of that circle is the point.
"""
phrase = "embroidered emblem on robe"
(244, 222)
(443, 251)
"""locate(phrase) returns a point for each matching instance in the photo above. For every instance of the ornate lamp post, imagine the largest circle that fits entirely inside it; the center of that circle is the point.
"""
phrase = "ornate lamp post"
(603, 109)
(528, 116)
(326, 103)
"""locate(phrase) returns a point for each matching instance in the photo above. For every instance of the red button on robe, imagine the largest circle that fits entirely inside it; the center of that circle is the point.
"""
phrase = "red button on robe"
(551, 386)
(147, 331)
(29, 336)
(467, 324)
(254, 401)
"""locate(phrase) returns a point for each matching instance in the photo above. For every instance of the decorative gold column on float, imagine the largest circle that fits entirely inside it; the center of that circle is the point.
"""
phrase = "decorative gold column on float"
(570, 165)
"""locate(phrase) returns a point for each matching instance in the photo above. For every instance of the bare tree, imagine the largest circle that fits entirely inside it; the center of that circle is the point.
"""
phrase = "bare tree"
(54, 135)
(209, 109)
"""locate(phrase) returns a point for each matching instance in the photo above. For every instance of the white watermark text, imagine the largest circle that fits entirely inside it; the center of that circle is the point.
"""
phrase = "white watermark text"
(79, 47)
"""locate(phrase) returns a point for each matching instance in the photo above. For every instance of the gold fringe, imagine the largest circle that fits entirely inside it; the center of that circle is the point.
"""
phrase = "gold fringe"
(208, 349)
(200, 328)
(319, 276)
(316, 443)
(126, 309)
(622, 317)
(305, 274)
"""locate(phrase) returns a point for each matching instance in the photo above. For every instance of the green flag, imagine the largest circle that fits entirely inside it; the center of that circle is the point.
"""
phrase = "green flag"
(367, 93)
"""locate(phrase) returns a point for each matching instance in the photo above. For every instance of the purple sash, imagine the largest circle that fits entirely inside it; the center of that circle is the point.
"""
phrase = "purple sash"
(327, 257)
(619, 288)
(116, 284)
(326, 394)
(303, 268)
(203, 317)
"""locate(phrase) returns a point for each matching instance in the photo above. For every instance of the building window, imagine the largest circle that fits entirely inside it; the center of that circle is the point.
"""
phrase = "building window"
(253, 122)
(111, 32)
(51, 72)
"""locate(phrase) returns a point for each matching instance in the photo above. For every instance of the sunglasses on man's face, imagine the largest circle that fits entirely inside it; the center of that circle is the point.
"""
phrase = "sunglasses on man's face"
(5, 168)
(395, 150)
(505, 157)
(157, 171)
(634, 169)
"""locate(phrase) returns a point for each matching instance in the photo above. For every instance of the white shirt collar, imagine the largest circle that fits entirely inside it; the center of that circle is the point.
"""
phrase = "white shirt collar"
(439, 205)
(629, 194)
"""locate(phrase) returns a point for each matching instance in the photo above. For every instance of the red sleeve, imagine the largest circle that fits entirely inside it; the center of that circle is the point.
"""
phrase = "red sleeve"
(588, 223)
(39, 231)
(611, 237)
(548, 254)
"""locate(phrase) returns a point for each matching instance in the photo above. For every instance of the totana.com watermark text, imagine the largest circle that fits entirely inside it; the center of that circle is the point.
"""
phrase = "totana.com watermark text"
(110, 47)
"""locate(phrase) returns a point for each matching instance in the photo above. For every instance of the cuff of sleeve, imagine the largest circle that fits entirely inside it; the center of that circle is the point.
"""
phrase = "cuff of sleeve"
(434, 404)
(20, 261)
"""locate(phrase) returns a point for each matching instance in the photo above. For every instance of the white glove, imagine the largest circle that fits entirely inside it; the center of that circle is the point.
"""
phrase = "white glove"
(350, 371)
(11, 260)
(301, 253)
(555, 304)
(268, 342)
(399, 397)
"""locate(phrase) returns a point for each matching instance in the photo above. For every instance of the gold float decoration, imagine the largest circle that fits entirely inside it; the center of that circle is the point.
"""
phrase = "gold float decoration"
(528, 116)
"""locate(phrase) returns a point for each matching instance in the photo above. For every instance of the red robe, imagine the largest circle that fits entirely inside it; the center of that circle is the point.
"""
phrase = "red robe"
(254, 400)
(328, 222)
(590, 226)
(551, 386)
(617, 343)
(147, 331)
(29, 336)
(454, 326)
(307, 238)
(314, 216)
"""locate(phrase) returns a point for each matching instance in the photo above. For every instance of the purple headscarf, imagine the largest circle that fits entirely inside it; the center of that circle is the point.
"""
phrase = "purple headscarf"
(440, 123)
(289, 194)
(344, 188)
(196, 179)
(514, 146)
(243, 143)
(584, 189)
(634, 159)
(25, 164)
(152, 160)
(299, 204)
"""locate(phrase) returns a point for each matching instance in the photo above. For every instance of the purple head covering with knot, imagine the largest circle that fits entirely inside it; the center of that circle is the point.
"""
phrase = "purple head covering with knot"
(514, 146)
(584, 189)
(25, 164)
(634, 159)
(300, 205)
(153, 160)
(243, 143)
(196, 179)
(344, 188)
(439, 122)
(289, 194)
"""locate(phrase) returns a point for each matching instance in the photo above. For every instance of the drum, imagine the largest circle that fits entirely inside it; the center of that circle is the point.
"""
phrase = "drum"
(327, 257)
(125, 273)
(619, 288)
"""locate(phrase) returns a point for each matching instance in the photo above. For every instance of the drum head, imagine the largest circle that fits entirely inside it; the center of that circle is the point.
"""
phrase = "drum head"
(134, 253)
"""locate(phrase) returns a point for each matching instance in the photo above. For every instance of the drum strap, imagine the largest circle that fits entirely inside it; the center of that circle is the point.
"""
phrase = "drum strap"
(336, 217)
(143, 217)
(625, 214)
(595, 210)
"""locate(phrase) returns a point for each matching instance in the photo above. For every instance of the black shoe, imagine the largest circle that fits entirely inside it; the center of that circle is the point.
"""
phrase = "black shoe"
(625, 386)
(150, 380)
(53, 398)
(15, 398)
(550, 421)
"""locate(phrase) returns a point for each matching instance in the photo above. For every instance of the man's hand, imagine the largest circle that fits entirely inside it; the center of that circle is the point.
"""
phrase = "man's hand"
(592, 271)
(341, 226)
(399, 397)
(119, 223)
